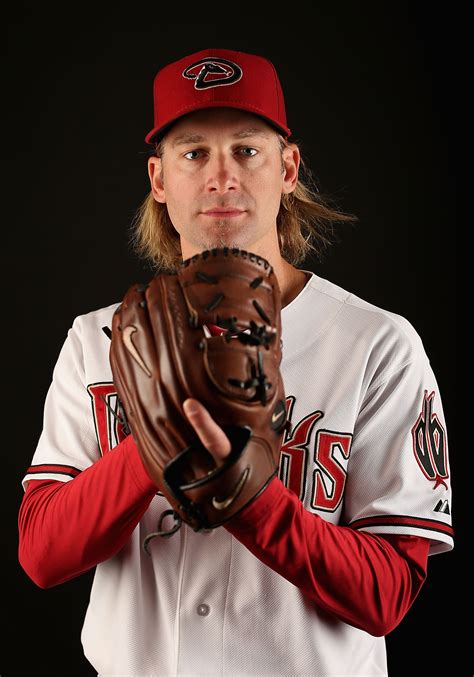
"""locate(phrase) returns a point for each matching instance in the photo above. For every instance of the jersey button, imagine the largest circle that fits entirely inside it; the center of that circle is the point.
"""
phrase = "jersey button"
(203, 609)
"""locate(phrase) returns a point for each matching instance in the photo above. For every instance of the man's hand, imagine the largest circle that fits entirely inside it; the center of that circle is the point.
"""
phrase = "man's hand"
(211, 435)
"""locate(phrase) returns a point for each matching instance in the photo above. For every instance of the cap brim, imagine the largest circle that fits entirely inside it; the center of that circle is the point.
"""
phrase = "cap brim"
(157, 133)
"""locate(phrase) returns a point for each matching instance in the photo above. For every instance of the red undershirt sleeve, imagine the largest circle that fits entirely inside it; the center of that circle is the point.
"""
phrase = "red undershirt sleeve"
(367, 580)
(66, 528)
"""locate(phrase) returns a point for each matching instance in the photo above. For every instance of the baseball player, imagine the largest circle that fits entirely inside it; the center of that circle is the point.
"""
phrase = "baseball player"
(328, 559)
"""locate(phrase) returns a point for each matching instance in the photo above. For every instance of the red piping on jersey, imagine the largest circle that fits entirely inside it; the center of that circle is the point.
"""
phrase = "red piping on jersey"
(403, 520)
(66, 528)
(57, 469)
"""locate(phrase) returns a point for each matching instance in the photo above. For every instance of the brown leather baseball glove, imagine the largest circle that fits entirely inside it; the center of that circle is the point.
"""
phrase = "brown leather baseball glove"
(162, 353)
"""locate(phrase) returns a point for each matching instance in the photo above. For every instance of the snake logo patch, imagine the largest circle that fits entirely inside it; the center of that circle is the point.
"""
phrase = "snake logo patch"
(213, 72)
(429, 443)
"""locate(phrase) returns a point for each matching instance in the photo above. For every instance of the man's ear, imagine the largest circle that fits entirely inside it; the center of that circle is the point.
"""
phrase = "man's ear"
(291, 161)
(155, 172)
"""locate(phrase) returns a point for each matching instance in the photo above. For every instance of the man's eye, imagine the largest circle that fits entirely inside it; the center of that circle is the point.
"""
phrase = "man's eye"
(191, 151)
(244, 152)
(252, 149)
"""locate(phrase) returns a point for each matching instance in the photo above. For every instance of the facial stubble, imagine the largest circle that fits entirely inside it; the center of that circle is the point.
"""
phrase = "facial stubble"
(222, 238)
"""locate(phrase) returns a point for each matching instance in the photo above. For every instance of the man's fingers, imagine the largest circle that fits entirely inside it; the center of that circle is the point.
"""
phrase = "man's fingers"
(211, 435)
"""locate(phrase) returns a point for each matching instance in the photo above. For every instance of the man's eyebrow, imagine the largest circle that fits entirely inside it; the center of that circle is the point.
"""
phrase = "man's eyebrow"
(198, 138)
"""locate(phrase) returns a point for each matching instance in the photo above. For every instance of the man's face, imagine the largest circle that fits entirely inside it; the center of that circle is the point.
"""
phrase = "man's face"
(223, 177)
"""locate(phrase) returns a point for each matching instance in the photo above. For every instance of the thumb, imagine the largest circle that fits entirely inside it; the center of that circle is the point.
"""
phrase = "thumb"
(209, 432)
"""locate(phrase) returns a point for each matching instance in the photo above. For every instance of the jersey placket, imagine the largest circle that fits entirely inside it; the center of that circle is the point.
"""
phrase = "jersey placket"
(203, 592)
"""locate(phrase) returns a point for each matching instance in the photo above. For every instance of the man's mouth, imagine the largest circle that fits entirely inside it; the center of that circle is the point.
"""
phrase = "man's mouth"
(220, 213)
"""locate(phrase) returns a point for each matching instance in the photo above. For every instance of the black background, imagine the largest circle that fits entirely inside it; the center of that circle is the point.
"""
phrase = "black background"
(371, 91)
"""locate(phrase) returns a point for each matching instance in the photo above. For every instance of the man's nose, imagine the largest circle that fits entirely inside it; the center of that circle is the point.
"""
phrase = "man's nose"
(222, 173)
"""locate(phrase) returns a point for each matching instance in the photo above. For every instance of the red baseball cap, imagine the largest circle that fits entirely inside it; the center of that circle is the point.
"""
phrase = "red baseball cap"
(217, 77)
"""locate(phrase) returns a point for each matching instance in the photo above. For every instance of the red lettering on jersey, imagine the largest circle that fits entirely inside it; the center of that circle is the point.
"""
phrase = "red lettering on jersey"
(294, 451)
(329, 477)
(109, 428)
(430, 444)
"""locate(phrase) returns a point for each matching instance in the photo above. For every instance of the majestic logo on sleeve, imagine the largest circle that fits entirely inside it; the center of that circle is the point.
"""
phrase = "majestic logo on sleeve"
(213, 72)
(429, 443)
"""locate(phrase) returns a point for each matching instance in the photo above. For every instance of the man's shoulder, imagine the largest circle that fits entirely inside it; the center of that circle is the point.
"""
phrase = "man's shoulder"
(362, 318)
(89, 322)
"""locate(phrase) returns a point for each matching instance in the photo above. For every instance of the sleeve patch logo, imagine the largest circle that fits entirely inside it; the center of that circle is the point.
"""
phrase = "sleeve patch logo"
(430, 443)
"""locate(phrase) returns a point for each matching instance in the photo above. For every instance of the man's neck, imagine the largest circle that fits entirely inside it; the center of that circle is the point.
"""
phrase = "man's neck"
(290, 279)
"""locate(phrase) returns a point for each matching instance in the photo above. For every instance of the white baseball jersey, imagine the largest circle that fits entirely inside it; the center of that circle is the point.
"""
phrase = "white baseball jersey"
(368, 448)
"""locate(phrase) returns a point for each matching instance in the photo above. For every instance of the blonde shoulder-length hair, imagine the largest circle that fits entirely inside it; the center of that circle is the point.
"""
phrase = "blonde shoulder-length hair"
(305, 223)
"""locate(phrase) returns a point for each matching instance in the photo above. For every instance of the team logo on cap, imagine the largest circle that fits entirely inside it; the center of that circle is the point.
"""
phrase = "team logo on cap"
(213, 72)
